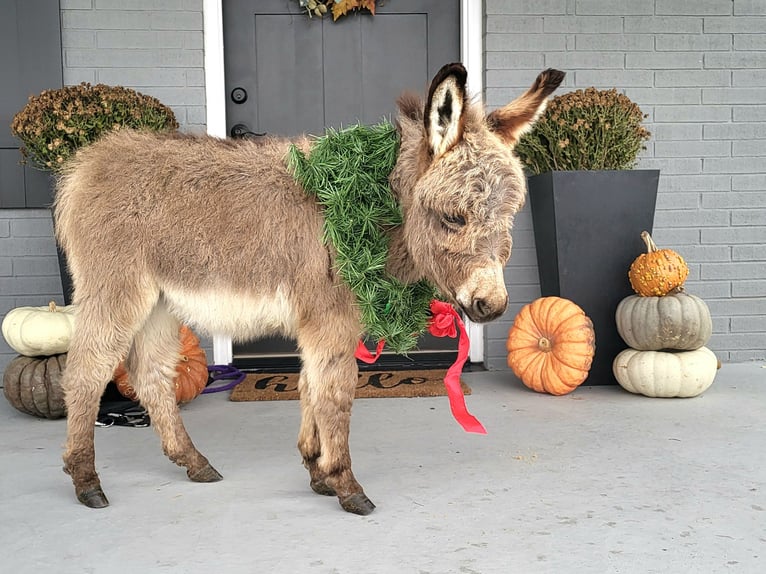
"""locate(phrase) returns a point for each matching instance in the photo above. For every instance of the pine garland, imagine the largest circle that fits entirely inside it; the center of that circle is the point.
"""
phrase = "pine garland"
(347, 171)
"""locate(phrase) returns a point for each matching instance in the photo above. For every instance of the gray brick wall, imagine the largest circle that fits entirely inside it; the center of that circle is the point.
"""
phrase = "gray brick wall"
(153, 46)
(698, 68)
(29, 272)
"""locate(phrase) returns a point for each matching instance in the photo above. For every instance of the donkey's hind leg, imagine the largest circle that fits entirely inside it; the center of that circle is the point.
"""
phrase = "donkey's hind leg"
(151, 366)
(104, 331)
(86, 375)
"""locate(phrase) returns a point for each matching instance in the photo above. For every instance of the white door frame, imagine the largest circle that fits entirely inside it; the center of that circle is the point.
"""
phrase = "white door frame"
(471, 54)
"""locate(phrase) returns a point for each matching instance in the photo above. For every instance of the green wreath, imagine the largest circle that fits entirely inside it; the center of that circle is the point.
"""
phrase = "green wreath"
(347, 171)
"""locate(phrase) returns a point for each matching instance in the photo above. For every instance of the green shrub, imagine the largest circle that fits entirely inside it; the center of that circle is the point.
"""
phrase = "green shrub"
(585, 130)
(55, 123)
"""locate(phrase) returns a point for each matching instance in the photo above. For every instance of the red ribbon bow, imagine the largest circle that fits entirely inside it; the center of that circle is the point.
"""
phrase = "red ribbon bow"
(442, 324)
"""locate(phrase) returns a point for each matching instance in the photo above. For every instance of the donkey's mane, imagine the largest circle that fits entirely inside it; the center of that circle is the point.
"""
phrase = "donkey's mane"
(411, 106)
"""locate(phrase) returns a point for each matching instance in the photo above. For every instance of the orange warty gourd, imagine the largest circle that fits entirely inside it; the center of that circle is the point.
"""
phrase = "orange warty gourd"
(658, 271)
(551, 345)
(191, 371)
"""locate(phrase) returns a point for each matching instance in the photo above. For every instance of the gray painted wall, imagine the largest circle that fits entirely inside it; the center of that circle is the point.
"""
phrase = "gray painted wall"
(698, 68)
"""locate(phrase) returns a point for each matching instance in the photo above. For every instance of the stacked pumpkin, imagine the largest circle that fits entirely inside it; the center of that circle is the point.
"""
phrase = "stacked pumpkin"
(665, 328)
(41, 336)
(32, 381)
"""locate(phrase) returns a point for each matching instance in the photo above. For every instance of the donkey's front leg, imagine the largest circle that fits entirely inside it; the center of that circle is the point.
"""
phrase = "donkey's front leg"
(308, 442)
(328, 382)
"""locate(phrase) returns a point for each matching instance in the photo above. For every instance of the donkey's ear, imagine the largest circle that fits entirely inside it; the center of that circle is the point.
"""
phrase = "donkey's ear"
(511, 121)
(444, 109)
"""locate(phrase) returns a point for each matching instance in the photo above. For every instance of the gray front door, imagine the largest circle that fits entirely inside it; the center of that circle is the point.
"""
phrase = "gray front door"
(299, 74)
(288, 74)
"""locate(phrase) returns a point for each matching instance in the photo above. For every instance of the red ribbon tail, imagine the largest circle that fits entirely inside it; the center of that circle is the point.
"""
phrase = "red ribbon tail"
(365, 356)
(457, 405)
(452, 379)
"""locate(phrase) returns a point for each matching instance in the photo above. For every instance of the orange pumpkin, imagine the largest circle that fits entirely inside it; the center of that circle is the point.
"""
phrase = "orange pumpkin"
(191, 371)
(658, 271)
(551, 345)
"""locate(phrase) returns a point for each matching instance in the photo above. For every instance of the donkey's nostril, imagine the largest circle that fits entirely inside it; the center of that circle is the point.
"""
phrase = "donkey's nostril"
(481, 307)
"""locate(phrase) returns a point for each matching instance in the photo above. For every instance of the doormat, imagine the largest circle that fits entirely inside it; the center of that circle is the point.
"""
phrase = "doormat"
(372, 384)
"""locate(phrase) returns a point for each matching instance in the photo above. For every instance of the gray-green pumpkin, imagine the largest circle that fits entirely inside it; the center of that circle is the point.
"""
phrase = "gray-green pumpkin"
(33, 385)
(678, 321)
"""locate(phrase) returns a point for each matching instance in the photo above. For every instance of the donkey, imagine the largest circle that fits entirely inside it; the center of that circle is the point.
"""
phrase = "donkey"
(161, 229)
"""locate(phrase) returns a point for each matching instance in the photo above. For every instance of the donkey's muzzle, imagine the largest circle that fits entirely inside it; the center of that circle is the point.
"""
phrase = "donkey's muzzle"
(482, 311)
(483, 296)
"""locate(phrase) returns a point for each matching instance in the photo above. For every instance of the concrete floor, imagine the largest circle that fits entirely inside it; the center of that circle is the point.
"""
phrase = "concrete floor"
(598, 481)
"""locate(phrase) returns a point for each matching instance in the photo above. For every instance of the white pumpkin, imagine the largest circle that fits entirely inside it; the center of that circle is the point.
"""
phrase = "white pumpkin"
(36, 331)
(666, 373)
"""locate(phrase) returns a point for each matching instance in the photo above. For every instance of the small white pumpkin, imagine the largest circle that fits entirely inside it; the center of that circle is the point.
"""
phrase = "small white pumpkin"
(676, 321)
(36, 331)
(666, 373)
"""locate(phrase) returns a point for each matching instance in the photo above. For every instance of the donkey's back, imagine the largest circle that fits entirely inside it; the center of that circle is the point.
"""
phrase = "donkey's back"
(218, 229)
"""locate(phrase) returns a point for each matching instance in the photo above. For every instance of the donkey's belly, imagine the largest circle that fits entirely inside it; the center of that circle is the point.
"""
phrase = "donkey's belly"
(240, 316)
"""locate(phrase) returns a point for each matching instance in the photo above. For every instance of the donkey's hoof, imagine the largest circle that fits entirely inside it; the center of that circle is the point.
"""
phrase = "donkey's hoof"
(321, 487)
(206, 474)
(357, 504)
(93, 498)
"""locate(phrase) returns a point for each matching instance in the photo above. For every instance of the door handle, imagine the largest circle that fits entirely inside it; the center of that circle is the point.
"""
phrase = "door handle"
(241, 131)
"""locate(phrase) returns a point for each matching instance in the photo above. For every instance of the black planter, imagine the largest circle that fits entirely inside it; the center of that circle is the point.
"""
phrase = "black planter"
(66, 279)
(587, 227)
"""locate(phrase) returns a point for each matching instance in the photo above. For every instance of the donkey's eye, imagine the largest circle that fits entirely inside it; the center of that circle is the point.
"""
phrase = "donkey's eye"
(453, 221)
